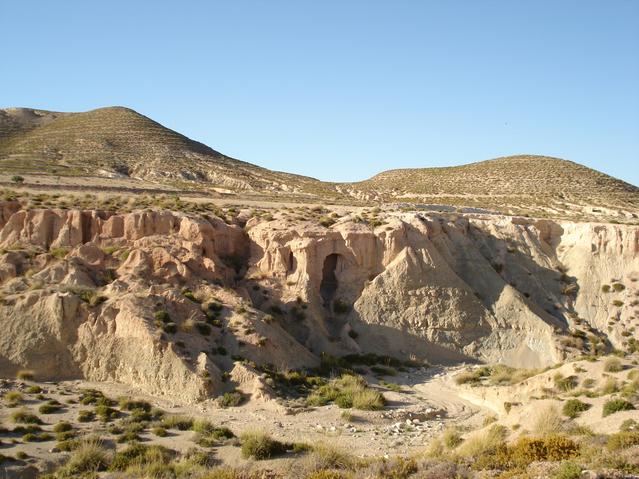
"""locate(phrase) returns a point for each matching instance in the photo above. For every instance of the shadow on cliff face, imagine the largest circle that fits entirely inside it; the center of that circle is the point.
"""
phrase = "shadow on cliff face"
(466, 260)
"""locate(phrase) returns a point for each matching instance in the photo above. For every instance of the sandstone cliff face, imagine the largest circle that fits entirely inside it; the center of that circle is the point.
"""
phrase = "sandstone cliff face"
(167, 301)
(497, 289)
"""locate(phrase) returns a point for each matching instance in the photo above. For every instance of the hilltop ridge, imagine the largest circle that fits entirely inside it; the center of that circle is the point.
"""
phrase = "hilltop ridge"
(119, 144)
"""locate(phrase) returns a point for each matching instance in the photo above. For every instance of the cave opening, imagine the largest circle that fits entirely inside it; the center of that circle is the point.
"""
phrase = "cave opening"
(329, 284)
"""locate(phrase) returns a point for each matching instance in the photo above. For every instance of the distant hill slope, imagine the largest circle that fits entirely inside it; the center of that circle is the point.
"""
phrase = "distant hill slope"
(524, 174)
(120, 143)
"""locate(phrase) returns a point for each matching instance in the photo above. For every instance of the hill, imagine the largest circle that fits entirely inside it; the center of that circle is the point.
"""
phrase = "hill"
(118, 142)
(122, 145)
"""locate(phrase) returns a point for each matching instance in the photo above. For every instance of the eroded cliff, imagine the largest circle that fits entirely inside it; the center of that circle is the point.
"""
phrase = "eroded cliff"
(169, 301)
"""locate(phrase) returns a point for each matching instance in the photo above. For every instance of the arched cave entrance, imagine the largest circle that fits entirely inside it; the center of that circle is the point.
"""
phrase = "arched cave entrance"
(329, 284)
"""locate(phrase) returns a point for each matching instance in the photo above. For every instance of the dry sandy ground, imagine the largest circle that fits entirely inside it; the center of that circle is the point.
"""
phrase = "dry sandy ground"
(427, 403)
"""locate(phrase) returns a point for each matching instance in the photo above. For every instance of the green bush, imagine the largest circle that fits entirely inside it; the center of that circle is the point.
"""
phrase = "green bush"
(616, 405)
(85, 416)
(613, 365)
(62, 427)
(13, 398)
(23, 416)
(573, 407)
(50, 407)
(230, 399)
(259, 445)
(181, 423)
(89, 456)
(622, 440)
(567, 470)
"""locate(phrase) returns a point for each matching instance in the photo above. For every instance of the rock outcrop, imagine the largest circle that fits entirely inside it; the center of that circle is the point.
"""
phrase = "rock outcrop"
(172, 303)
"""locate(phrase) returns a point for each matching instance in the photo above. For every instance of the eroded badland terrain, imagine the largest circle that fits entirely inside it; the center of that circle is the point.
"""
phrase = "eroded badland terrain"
(166, 311)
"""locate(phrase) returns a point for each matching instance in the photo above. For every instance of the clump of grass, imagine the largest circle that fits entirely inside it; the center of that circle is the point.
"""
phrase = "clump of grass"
(62, 426)
(230, 399)
(106, 413)
(25, 375)
(613, 365)
(565, 384)
(616, 405)
(574, 407)
(482, 442)
(85, 415)
(13, 398)
(451, 437)
(89, 456)
(622, 440)
(181, 423)
(548, 421)
(259, 445)
(50, 407)
(348, 391)
(209, 435)
(23, 416)
(159, 431)
(33, 389)
(498, 374)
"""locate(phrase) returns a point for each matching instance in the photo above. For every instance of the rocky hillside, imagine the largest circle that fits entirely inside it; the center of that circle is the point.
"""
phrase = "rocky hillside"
(171, 301)
(111, 145)
(120, 143)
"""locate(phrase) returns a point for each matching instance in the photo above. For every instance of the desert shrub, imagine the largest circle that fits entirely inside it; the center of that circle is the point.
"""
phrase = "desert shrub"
(13, 398)
(210, 435)
(62, 427)
(159, 431)
(89, 456)
(85, 415)
(181, 423)
(187, 293)
(616, 405)
(451, 438)
(35, 389)
(548, 420)
(37, 437)
(368, 400)
(613, 365)
(325, 456)
(565, 384)
(23, 416)
(573, 407)
(128, 404)
(50, 407)
(609, 386)
(25, 375)
(548, 448)
(482, 442)
(106, 413)
(65, 435)
(629, 425)
(259, 445)
(622, 440)
(203, 328)
(230, 399)
(128, 436)
(567, 470)
(465, 377)
(162, 316)
(59, 253)
(348, 391)
(137, 455)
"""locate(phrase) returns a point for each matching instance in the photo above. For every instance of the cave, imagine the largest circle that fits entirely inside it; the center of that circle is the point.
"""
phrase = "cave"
(329, 284)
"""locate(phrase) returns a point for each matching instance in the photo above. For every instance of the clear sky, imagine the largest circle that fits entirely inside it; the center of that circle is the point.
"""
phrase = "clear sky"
(343, 89)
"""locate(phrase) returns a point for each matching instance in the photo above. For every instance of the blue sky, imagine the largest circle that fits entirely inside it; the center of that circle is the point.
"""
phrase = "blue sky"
(343, 89)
